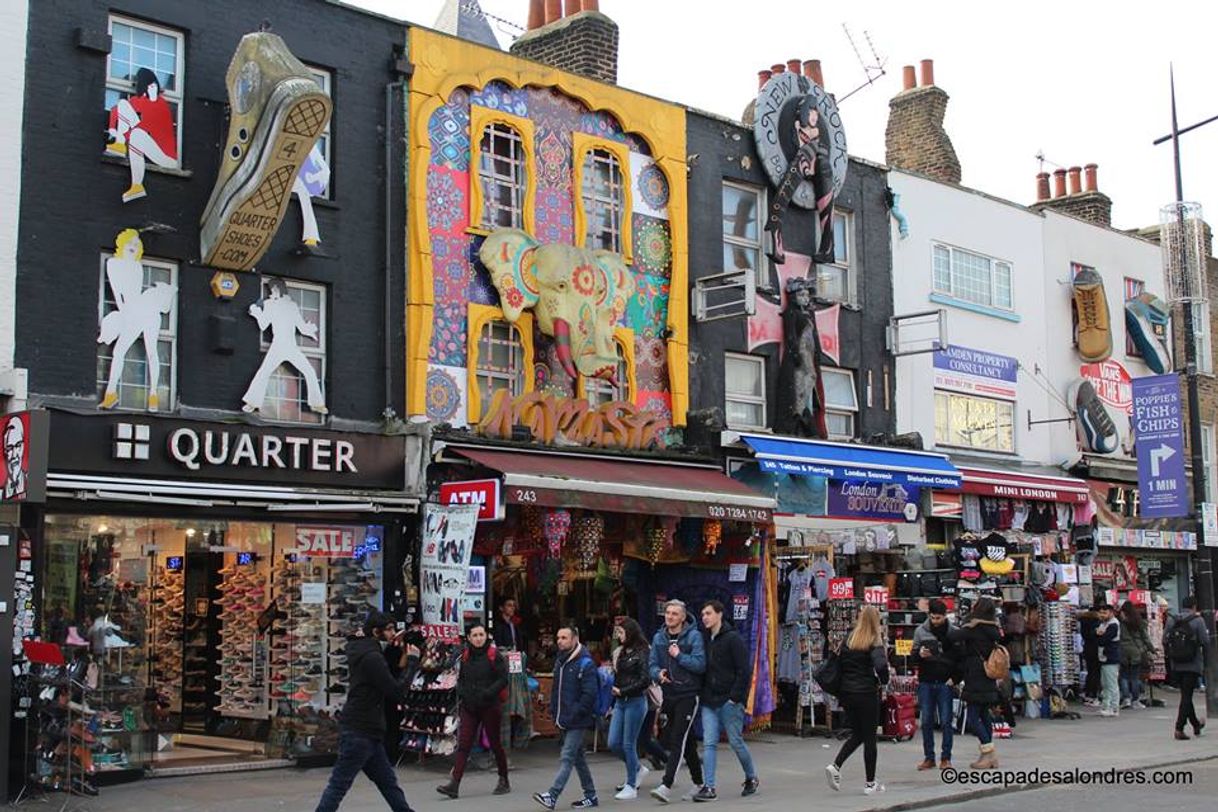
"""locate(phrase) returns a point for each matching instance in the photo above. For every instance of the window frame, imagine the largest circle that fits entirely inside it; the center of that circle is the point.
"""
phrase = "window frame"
(623, 339)
(170, 335)
(479, 119)
(307, 417)
(954, 291)
(583, 144)
(177, 96)
(839, 409)
(850, 288)
(325, 79)
(963, 396)
(478, 316)
(1209, 450)
(1202, 338)
(753, 400)
(762, 271)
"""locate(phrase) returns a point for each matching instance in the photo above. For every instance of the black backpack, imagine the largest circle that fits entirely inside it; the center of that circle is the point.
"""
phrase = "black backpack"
(828, 674)
(1181, 642)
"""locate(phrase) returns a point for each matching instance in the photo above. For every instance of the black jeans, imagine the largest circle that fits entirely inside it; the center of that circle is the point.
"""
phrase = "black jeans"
(356, 752)
(863, 716)
(678, 737)
(1187, 714)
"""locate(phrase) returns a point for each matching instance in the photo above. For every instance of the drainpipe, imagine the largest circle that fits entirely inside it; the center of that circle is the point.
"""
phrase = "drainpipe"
(894, 206)
(391, 179)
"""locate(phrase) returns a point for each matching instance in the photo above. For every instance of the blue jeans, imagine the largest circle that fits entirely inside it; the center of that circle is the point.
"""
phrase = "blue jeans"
(356, 752)
(624, 733)
(979, 722)
(935, 699)
(730, 717)
(573, 756)
(1131, 682)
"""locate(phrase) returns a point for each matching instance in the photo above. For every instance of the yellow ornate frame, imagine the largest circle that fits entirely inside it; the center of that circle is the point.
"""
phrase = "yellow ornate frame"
(442, 64)
(479, 119)
(478, 317)
(583, 144)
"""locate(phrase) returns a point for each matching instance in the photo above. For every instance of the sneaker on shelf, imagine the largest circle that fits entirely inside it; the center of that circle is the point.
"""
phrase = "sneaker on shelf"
(74, 638)
(1091, 305)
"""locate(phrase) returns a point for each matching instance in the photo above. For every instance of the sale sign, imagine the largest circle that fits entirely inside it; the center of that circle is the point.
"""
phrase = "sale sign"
(325, 542)
(841, 589)
(876, 594)
(485, 493)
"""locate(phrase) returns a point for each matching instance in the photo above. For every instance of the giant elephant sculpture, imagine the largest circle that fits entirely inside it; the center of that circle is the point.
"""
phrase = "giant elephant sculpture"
(577, 296)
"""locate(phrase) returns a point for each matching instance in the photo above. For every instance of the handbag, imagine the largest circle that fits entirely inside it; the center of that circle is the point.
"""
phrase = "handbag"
(655, 696)
(828, 674)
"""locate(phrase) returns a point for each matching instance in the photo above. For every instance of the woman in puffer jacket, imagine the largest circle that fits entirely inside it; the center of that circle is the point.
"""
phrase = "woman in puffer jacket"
(975, 640)
(631, 679)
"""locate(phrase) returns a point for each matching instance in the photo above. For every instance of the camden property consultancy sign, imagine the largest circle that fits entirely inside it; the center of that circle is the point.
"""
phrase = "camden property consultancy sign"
(976, 372)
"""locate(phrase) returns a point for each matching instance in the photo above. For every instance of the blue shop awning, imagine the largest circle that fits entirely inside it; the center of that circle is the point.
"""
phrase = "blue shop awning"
(789, 455)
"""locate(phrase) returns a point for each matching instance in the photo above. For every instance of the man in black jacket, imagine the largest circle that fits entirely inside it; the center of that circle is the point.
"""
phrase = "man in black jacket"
(361, 744)
(725, 690)
(935, 654)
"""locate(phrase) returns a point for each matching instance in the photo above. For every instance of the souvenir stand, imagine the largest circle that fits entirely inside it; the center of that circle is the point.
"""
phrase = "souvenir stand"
(801, 635)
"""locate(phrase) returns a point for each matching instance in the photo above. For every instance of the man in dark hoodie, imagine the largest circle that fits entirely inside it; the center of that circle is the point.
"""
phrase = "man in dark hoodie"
(678, 661)
(573, 705)
(361, 745)
(725, 691)
(935, 654)
(1187, 644)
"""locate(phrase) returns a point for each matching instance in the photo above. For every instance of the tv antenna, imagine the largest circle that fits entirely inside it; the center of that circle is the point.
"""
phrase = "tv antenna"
(872, 70)
(1042, 160)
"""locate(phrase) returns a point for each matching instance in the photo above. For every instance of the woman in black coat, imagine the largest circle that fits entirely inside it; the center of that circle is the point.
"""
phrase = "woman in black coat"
(975, 640)
(864, 667)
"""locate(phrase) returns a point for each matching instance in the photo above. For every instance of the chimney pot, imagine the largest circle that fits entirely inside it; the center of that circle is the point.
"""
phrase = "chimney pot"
(1089, 181)
(928, 72)
(793, 66)
(592, 5)
(1076, 185)
(572, 7)
(1042, 186)
(1059, 183)
(553, 11)
(763, 76)
(910, 78)
(778, 67)
(537, 14)
(812, 71)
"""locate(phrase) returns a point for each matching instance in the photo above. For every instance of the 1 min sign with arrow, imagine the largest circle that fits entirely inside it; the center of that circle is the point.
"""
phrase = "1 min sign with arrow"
(1158, 425)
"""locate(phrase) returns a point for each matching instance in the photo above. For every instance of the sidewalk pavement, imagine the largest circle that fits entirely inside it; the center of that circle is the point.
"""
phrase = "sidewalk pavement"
(791, 772)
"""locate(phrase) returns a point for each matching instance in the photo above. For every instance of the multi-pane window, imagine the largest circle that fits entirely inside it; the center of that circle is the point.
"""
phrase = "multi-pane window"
(1201, 337)
(972, 277)
(287, 393)
(833, 280)
(742, 251)
(841, 402)
(503, 173)
(134, 379)
(744, 391)
(136, 45)
(1207, 459)
(324, 80)
(604, 199)
(501, 361)
(599, 390)
(968, 421)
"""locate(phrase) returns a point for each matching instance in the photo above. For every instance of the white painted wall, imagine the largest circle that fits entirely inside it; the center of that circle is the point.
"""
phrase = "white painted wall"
(13, 27)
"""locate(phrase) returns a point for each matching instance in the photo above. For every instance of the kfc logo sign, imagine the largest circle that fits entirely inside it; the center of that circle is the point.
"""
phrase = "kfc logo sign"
(485, 493)
(23, 466)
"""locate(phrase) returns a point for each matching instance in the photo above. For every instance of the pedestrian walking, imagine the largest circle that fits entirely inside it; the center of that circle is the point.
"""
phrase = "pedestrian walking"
(677, 663)
(1088, 620)
(1137, 651)
(975, 641)
(864, 669)
(481, 685)
(1108, 640)
(935, 655)
(1187, 646)
(573, 707)
(361, 741)
(631, 682)
(725, 690)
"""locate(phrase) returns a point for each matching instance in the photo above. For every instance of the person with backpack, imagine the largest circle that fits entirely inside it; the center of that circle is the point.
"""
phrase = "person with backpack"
(977, 641)
(677, 663)
(573, 707)
(862, 668)
(936, 659)
(481, 689)
(725, 691)
(1108, 638)
(631, 681)
(1187, 646)
(1136, 653)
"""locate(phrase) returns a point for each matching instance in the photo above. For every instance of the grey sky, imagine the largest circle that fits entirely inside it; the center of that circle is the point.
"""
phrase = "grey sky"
(1081, 81)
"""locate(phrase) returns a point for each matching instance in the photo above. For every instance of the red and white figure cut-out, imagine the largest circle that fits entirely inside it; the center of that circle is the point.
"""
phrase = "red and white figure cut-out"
(14, 435)
(142, 128)
(279, 313)
(136, 317)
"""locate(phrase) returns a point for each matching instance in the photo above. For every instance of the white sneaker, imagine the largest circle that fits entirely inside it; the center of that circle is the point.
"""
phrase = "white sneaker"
(1107, 712)
(628, 793)
(1140, 705)
(642, 773)
(834, 775)
(1125, 703)
(661, 794)
(873, 788)
(689, 793)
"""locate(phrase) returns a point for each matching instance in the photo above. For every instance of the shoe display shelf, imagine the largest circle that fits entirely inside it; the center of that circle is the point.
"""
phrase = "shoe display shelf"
(166, 655)
(197, 669)
(429, 715)
(354, 589)
(242, 679)
(1059, 665)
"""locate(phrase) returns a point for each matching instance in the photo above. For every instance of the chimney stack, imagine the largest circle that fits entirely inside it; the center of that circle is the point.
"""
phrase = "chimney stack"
(1042, 186)
(1076, 179)
(910, 75)
(813, 71)
(763, 76)
(1059, 183)
(794, 65)
(1084, 201)
(1089, 178)
(778, 67)
(582, 40)
(915, 138)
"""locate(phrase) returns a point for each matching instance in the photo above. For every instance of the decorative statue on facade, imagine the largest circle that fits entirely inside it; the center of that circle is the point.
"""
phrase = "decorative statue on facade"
(801, 392)
(577, 295)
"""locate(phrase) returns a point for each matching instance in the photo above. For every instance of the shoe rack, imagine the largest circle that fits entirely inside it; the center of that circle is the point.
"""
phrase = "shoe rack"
(165, 633)
(242, 690)
(430, 718)
(354, 588)
(297, 666)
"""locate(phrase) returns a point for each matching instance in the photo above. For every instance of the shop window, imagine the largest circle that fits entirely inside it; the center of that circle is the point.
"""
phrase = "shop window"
(744, 391)
(841, 402)
(136, 44)
(325, 80)
(972, 277)
(502, 187)
(835, 281)
(286, 394)
(133, 380)
(602, 210)
(743, 207)
(500, 357)
(598, 390)
(967, 421)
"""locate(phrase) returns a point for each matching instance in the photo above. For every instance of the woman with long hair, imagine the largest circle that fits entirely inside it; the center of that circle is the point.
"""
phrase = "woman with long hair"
(864, 668)
(482, 680)
(1136, 653)
(631, 679)
(975, 641)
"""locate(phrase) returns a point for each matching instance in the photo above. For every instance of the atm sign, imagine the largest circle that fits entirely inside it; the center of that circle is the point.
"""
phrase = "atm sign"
(482, 492)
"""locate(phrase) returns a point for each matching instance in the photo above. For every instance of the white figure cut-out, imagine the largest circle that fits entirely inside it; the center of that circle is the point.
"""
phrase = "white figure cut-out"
(313, 179)
(138, 315)
(281, 314)
(143, 127)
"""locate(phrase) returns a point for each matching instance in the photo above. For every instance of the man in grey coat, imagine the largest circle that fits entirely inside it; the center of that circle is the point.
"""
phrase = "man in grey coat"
(1187, 634)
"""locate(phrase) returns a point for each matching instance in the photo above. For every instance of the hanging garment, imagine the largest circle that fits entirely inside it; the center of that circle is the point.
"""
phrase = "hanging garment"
(989, 513)
(1019, 515)
(822, 571)
(970, 513)
(798, 602)
(1065, 515)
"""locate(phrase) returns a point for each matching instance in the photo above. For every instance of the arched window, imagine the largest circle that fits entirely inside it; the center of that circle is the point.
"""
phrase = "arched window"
(502, 189)
(500, 357)
(602, 211)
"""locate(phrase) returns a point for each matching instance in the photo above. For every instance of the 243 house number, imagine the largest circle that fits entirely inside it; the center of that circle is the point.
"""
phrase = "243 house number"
(525, 496)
